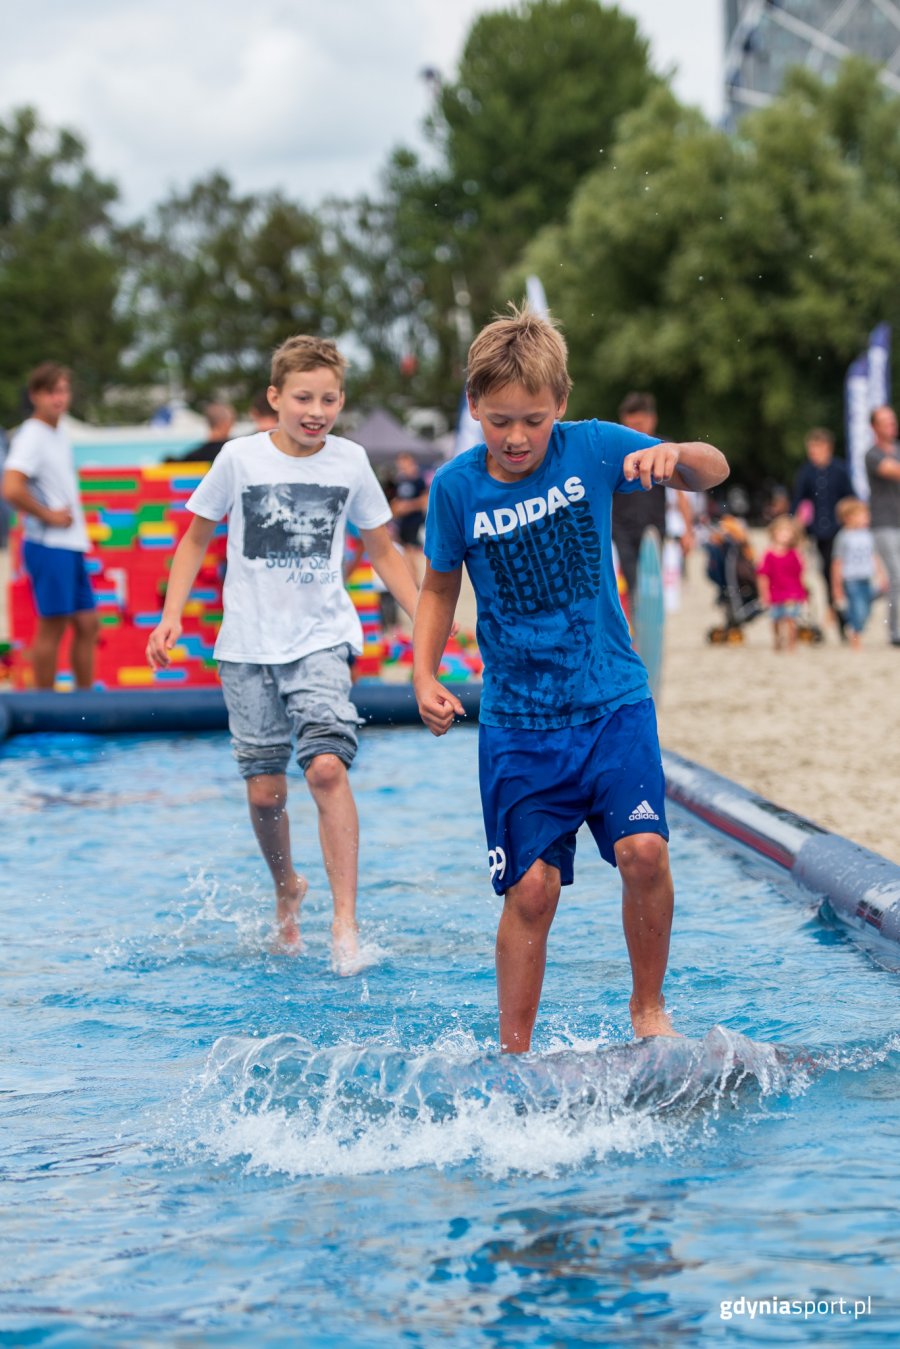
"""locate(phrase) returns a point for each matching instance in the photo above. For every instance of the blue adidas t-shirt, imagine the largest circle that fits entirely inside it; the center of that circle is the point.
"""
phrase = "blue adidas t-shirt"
(538, 551)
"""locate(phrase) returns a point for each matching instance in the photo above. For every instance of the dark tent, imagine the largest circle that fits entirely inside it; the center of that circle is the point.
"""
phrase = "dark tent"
(384, 438)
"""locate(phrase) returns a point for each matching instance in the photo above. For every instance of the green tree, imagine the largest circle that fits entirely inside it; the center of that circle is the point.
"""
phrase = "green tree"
(532, 108)
(219, 279)
(404, 285)
(61, 263)
(736, 276)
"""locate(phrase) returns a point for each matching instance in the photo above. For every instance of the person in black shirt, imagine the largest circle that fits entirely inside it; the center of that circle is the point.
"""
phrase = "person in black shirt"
(822, 482)
(220, 418)
(409, 504)
(883, 473)
(635, 512)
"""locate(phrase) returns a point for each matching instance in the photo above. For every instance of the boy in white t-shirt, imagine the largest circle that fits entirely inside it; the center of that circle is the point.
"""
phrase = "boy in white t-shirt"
(289, 625)
(40, 482)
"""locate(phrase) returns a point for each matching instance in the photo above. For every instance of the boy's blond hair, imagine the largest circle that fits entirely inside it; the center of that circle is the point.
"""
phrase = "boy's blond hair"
(306, 353)
(519, 348)
(847, 507)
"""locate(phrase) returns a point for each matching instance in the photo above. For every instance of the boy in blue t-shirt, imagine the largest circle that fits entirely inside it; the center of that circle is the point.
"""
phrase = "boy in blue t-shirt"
(567, 725)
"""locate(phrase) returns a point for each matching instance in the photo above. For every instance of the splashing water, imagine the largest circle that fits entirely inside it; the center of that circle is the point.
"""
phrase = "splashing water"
(286, 1105)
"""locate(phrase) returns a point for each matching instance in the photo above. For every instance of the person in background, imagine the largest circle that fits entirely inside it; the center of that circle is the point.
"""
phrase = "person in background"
(633, 514)
(263, 415)
(781, 585)
(857, 573)
(819, 485)
(409, 504)
(220, 420)
(40, 482)
(883, 471)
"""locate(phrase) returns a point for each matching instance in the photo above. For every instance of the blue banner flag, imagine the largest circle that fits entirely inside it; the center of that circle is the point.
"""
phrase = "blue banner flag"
(867, 386)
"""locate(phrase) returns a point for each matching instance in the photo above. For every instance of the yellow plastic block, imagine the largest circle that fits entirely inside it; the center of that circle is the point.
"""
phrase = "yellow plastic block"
(162, 472)
(133, 675)
(156, 529)
(98, 533)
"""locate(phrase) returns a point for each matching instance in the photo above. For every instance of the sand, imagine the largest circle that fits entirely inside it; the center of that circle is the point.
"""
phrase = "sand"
(816, 730)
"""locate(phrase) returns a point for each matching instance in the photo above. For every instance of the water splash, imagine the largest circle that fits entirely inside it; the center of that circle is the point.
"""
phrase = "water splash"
(280, 1104)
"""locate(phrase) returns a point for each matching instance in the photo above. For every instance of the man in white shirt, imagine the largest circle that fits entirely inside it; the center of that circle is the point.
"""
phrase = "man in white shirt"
(40, 482)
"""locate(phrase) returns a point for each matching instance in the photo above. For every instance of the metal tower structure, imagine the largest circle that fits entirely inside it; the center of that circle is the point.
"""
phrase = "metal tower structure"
(764, 38)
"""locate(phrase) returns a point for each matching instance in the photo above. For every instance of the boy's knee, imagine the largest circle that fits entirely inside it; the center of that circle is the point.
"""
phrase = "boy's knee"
(534, 898)
(325, 772)
(52, 628)
(267, 792)
(87, 624)
(642, 858)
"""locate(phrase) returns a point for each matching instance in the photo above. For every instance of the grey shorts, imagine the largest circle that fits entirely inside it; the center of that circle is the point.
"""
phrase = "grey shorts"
(307, 700)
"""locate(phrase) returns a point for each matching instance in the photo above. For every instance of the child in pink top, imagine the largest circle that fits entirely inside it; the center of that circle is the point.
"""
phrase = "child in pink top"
(781, 580)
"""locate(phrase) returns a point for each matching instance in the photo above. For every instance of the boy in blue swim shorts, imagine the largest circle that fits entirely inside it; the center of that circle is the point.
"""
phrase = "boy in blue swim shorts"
(41, 483)
(567, 725)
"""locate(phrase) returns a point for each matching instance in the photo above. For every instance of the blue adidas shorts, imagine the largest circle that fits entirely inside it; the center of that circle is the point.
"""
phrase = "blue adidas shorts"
(539, 787)
(59, 580)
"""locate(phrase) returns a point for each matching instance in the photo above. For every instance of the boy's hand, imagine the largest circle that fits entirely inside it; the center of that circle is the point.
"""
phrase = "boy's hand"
(59, 519)
(654, 465)
(160, 643)
(437, 706)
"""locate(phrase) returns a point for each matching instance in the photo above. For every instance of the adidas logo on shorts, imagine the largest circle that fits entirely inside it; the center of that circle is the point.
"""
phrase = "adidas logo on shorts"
(643, 812)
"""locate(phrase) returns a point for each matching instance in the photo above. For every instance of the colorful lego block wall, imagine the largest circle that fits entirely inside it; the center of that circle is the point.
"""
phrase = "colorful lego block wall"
(135, 518)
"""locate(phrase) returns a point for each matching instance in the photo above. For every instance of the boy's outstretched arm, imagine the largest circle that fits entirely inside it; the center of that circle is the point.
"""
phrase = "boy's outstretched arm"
(391, 566)
(691, 466)
(185, 564)
(434, 619)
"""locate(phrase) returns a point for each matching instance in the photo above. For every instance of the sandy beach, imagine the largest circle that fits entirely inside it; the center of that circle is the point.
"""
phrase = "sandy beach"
(817, 730)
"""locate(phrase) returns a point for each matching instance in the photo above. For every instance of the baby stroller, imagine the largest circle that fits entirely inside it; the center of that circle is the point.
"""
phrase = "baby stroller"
(731, 567)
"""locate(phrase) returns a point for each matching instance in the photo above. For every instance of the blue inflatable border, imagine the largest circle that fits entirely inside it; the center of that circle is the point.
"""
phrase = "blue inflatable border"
(862, 887)
(120, 711)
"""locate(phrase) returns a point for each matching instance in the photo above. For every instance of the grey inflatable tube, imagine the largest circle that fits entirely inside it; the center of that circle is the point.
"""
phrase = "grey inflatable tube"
(862, 887)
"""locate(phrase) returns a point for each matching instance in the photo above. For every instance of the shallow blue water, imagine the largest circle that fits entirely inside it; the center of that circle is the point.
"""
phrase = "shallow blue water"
(205, 1143)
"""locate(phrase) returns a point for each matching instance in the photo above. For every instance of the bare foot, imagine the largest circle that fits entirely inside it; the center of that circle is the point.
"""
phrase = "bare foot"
(345, 957)
(287, 913)
(651, 1020)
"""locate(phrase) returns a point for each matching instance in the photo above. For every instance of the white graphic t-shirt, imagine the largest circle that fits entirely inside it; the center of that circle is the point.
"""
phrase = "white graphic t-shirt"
(284, 594)
(43, 453)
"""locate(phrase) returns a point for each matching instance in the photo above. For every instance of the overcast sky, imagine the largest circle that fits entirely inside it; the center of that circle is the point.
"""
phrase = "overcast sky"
(308, 96)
